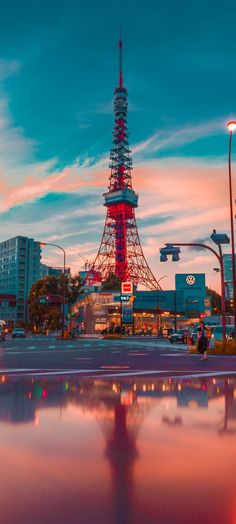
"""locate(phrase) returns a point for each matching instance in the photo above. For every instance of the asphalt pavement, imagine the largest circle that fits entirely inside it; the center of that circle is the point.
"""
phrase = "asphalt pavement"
(97, 357)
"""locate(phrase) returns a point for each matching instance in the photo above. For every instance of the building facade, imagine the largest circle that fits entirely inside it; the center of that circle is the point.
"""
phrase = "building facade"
(152, 310)
(46, 271)
(19, 269)
(227, 261)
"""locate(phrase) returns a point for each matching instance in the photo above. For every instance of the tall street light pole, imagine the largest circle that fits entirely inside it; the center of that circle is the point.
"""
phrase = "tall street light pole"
(63, 284)
(232, 127)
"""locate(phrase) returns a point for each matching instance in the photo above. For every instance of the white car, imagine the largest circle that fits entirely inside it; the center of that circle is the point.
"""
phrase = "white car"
(18, 333)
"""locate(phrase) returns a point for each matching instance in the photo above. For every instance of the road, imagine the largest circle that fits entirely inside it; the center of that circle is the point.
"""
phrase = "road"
(96, 357)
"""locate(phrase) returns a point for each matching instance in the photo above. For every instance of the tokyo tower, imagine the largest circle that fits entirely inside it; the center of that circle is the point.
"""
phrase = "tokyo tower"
(120, 252)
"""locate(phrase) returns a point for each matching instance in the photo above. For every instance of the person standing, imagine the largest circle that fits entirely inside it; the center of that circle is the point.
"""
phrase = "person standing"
(202, 340)
(189, 339)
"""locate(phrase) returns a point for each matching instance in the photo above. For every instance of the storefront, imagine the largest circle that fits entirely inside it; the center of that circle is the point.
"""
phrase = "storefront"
(97, 311)
(154, 312)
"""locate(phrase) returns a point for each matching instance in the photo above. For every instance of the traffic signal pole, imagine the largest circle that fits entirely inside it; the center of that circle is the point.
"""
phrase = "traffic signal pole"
(219, 256)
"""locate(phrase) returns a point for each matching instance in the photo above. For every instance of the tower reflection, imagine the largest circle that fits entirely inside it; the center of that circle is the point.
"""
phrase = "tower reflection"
(152, 431)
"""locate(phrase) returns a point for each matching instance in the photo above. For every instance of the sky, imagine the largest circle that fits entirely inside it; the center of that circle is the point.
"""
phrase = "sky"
(58, 71)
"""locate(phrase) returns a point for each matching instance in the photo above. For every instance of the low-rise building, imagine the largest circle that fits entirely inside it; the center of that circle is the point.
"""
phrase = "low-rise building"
(152, 310)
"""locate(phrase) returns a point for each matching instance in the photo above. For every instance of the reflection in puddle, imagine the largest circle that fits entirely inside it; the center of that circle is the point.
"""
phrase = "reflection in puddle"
(81, 451)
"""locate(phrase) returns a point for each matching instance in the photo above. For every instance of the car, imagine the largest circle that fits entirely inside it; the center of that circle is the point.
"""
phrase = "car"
(18, 333)
(143, 332)
(179, 336)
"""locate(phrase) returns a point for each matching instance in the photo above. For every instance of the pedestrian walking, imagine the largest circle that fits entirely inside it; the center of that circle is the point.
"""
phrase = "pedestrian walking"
(202, 340)
(189, 339)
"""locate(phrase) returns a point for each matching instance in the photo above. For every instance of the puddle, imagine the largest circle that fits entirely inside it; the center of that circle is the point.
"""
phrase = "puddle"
(146, 450)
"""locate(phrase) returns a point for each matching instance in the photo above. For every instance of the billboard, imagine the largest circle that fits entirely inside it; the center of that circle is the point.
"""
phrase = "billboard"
(193, 287)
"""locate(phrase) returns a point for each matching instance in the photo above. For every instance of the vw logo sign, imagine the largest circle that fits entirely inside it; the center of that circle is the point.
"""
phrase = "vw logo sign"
(190, 280)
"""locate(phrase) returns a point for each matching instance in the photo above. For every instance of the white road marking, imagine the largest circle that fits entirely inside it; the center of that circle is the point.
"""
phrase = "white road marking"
(207, 374)
(11, 347)
(135, 354)
(17, 370)
(83, 358)
(174, 354)
(60, 372)
(134, 373)
(51, 347)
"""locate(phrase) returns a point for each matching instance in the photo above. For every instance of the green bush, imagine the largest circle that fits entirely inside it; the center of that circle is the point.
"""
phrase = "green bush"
(225, 347)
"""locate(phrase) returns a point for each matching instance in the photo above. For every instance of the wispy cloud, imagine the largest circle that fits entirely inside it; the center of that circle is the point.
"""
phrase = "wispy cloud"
(175, 138)
(179, 197)
(8, 68)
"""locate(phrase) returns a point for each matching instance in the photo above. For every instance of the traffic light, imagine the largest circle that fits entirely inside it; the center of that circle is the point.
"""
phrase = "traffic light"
(44, 299)
(169, 249)
(163, 258)
(175, 257)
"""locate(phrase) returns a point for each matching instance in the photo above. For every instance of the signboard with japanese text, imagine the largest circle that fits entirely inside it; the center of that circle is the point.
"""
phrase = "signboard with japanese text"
(127, 312)
(127, 288)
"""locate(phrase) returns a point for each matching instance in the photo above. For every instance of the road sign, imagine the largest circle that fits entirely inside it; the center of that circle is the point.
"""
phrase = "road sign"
(127, 312)
(127, 288)
(127, 315)
(124, 298)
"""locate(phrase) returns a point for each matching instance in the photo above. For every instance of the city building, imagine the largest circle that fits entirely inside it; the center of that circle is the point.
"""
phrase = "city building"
(46, 271)
(227, 261)
(19, 269)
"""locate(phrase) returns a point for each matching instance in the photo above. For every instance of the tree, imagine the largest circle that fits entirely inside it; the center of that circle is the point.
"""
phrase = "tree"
(46, 298)
(215, 301)
(112, 283)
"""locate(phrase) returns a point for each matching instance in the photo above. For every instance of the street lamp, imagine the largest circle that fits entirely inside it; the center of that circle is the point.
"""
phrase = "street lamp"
(231, 125)
(170, 249)
(63, 286)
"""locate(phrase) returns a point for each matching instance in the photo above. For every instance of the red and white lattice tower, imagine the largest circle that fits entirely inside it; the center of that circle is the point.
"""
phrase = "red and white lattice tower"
(120, 252)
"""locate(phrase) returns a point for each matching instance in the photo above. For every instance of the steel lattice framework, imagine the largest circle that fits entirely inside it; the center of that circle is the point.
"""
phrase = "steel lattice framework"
(120, 252)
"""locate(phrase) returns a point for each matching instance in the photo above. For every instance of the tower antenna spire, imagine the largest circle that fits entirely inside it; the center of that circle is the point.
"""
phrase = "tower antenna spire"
(120, 62)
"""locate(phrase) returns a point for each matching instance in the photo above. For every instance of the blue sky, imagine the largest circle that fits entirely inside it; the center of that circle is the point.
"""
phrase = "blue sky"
(58, 70)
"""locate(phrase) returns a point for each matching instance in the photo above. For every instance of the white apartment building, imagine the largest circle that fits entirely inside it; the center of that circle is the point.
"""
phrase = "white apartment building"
(19, 269)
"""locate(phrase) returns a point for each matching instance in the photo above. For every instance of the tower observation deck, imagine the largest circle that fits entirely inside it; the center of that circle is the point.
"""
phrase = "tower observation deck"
(120, 252)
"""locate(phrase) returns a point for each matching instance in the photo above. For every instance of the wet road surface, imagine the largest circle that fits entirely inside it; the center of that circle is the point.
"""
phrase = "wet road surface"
(100, 357)
(122, 433)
